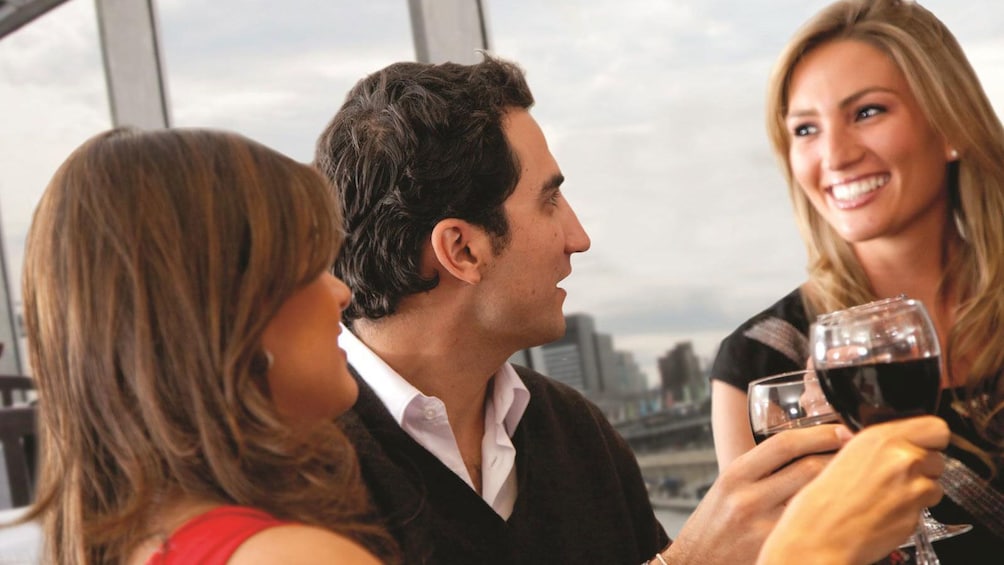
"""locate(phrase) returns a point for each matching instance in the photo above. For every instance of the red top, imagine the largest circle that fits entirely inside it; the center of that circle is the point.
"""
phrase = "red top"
(212, 537)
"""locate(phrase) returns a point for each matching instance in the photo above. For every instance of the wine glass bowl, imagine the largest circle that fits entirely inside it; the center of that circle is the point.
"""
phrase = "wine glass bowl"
(787, 401)
(879, 361)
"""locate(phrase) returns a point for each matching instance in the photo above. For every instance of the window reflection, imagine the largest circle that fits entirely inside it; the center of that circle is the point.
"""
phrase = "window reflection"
(275, 72)
(52, 96)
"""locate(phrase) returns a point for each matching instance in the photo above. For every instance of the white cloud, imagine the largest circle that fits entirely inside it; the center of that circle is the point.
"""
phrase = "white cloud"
(987, 58)
(53, 97)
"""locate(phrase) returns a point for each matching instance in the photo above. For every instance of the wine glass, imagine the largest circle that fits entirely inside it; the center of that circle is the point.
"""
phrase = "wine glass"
(877, 362)
(787, 401)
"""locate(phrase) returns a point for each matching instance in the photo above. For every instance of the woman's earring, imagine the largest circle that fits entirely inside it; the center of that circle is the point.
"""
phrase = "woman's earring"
(960, 225)
(262, 361)
(953, 155)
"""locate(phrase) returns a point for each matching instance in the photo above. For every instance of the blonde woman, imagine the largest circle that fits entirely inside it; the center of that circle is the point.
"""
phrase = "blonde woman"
(895, 163)
(182, 328)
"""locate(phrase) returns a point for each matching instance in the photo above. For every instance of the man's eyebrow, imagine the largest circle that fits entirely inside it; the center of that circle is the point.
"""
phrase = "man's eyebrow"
(553, 184)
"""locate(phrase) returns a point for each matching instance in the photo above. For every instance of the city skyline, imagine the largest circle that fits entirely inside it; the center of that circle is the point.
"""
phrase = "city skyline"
(588, 360)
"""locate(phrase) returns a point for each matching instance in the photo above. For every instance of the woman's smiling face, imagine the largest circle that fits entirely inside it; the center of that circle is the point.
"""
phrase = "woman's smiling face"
(862, 149)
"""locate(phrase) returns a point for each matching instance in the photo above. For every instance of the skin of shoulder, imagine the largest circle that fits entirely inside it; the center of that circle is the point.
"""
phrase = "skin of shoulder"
(730, 423)
(298, 544)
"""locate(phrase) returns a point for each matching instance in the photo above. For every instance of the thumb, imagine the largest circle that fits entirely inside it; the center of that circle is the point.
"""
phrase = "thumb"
(844, 434)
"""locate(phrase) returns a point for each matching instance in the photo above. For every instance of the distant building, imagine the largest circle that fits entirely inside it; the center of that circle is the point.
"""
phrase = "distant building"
(611, 379)
(580, 332)
(620, 375)
(563, 362)
(587, 361)
(631, 381)
(573, 359)
(681, 376)
(532, 358)
(674, 416)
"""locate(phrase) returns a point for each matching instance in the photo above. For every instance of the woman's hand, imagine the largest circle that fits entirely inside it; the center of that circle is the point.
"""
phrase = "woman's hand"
(868, 499)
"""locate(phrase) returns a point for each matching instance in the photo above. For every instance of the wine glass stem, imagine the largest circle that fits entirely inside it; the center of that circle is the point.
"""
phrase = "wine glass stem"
(925, 553)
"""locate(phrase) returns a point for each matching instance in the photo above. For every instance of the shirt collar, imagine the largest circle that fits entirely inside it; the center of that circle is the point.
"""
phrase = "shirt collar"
(390, 387)
(510, 396)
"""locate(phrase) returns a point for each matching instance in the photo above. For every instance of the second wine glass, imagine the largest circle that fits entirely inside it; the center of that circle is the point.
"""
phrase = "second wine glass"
(787, 401)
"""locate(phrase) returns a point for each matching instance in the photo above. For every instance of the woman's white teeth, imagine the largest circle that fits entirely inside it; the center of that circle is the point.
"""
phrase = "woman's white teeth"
(854, 189)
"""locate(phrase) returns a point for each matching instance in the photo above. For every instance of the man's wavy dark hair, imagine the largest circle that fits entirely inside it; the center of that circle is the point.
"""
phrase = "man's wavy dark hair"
(414, 144)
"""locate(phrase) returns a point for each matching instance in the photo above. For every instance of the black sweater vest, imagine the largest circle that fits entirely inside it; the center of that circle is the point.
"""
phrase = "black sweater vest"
(581, 496)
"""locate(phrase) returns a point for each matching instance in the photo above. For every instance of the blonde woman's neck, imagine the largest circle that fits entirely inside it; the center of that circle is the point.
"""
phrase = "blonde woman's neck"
(916, 267)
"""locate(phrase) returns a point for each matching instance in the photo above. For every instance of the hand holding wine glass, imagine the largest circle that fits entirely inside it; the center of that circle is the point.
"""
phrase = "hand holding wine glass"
(879, 362)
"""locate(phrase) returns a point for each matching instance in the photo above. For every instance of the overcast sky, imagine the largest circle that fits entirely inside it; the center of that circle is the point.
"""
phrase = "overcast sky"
(653, 109)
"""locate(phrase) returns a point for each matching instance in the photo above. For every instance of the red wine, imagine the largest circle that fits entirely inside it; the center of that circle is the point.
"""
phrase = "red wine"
(879, 392)
(761, 435)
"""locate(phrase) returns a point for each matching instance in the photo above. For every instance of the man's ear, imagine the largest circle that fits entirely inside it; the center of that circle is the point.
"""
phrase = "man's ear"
(460, 248)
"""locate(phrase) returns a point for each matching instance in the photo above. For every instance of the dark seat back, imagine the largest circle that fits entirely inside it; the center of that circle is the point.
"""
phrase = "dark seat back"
(18, 435)
(9, 384)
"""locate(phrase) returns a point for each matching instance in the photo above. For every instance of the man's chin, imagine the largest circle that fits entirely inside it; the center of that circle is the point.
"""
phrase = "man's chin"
(553, 333)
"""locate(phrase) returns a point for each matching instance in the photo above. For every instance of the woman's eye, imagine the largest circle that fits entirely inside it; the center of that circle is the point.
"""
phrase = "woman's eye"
(803, 130)
(870, 111)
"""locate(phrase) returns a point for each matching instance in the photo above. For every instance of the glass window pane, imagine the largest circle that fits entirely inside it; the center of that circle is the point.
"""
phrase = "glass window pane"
(52, 95)
(654, 110)
(275, 71)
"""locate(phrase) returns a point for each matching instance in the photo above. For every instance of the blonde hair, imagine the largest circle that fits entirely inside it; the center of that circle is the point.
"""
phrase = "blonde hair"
(154, 262)
(953, 101)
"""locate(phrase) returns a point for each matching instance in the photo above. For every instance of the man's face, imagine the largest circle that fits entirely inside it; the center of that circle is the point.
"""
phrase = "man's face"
(521, 302)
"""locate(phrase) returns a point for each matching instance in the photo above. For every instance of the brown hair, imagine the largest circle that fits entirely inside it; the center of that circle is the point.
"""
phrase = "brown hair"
(153, 264)
(413, 144)
(953, 101)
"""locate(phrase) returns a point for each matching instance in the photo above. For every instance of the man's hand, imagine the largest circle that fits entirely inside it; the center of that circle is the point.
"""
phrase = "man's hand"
(739, 511)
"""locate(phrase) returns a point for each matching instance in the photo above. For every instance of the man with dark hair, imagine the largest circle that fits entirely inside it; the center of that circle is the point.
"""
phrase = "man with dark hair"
(458, 236)
(414, 145)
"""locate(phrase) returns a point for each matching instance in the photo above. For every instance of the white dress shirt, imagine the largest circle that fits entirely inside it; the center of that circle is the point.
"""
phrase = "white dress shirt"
(424, 419)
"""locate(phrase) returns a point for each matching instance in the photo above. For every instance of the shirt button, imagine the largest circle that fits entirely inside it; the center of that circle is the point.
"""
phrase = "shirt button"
(430, 413)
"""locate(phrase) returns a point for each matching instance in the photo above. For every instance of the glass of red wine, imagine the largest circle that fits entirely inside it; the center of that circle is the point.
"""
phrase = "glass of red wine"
(787, 401)
(877, 362)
